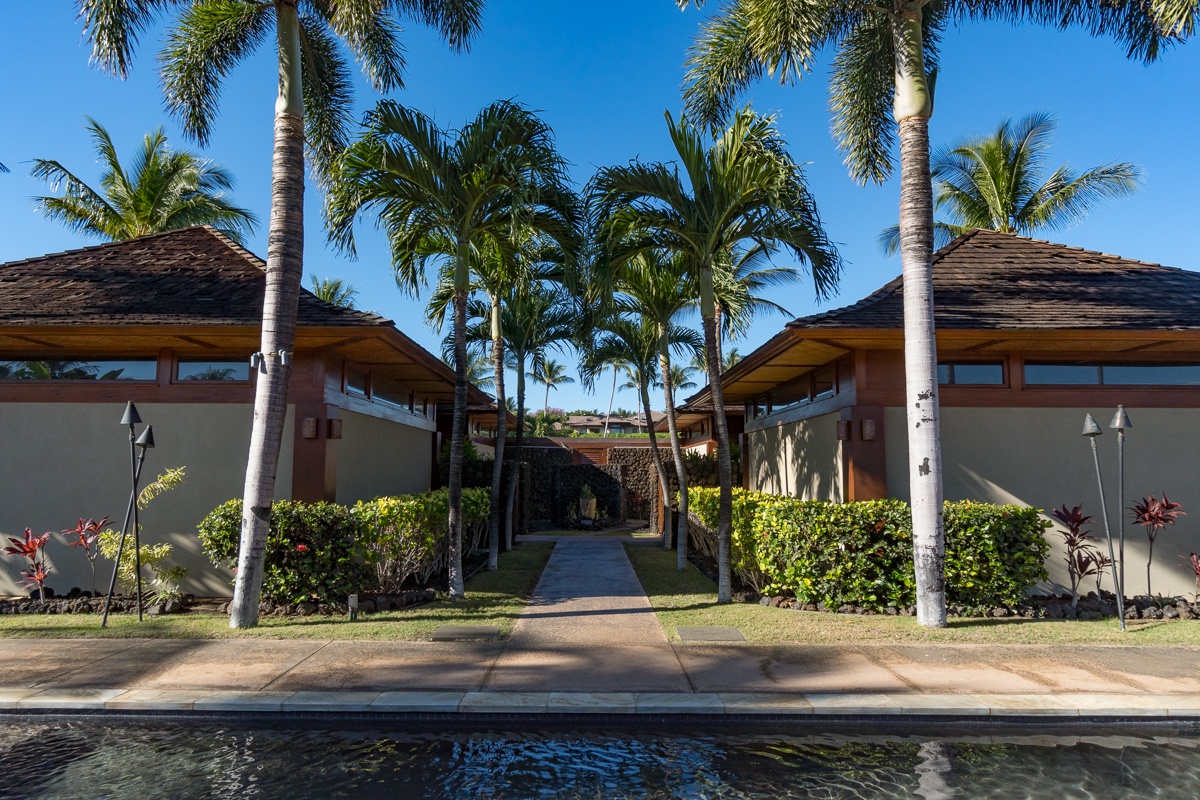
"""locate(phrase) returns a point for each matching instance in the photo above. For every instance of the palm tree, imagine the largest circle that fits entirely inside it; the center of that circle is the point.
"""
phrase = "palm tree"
(742, 189)
(313, 110)
(681, 377)
(335, 291)
(633, 346)
(882, 84)
(999, 182)
(446, 198)
(550, 374)
(166, 190)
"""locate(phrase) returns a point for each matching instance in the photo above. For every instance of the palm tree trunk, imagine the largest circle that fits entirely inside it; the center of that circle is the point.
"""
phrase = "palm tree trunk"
(459, 428)
(664, 367)
(612, 396)
(708, 313)
(501, 431)
(913, 107)
(285, 268)
(514, 472)
(659, 469)
(546, 405)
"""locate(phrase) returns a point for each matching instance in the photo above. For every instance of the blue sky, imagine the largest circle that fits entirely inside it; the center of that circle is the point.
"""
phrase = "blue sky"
(603, 74)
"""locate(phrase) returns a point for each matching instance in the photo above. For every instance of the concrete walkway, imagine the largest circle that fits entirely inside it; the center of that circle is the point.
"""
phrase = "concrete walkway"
(589, 642)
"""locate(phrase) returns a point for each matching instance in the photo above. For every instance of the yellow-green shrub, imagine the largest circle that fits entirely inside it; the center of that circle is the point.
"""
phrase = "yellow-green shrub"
(860, 553)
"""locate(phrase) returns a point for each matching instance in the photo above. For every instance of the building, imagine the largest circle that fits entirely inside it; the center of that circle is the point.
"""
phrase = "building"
(169, 321)
(1031, 337)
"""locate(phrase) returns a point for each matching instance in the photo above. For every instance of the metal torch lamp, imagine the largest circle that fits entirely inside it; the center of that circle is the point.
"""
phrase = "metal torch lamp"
(137, 457)
(1120, 423)
(1091, 430)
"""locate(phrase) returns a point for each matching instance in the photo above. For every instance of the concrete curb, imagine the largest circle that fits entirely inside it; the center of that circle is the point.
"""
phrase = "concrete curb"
(1057, 707)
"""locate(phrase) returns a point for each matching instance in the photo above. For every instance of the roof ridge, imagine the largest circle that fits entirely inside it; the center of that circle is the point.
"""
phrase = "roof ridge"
(117, 243)
(1062, 246)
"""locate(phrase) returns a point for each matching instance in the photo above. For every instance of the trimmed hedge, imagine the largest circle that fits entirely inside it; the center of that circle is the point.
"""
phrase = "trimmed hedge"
(325, 551)
(407, 534)
(315, 551)
(860, 553)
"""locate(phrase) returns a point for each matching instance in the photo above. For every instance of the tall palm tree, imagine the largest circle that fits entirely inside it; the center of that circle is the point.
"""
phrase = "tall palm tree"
(335, 291)
(632, 345)
(882, 84)
(445, 198)
(312, 110)
(999, 182)
(681, 377)
(550, 374)
(164, 190)
(743, 189)
(658, 286)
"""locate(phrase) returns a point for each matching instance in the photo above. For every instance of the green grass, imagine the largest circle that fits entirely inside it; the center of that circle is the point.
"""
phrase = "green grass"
(689, 599)
(493, 598)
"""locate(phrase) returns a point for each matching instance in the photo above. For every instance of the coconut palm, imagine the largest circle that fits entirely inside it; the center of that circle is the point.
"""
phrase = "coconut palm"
(882, 83)
(633, 346)
(444, 199)
(999, 182)
(334, 291)
(550, 374)
(681, 377)
(312, 111)
(742, 190)
(164, 190)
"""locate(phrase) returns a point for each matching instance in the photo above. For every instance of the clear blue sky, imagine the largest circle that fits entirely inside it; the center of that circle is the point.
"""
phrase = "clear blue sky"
(602, 74)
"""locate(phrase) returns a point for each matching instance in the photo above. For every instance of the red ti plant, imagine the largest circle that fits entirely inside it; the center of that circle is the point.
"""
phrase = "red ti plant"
(1154, 515)
(1193, 561)
(85, 535)
(1082, 559)
(33, 548)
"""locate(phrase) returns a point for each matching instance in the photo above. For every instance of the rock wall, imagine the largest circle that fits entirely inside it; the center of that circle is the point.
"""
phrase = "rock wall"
(544, 464)
(640, 481)
(478, 475)
(604, 481)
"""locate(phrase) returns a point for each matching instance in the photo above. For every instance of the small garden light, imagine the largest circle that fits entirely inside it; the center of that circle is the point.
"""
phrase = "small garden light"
(1091, 430)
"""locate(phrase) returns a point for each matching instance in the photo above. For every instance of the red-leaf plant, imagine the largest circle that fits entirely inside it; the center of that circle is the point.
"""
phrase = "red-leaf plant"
(1154, 515)
(33, 548)
(1082, 559)
(1193, 562)
(85, 535)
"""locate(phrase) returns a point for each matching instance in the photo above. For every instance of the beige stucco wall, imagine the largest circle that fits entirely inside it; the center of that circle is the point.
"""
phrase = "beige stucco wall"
(377, 457)
(802, 459)
(62, 461)
(1037, 457)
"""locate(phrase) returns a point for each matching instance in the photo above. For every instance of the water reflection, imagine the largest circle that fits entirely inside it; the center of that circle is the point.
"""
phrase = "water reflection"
(142, 760)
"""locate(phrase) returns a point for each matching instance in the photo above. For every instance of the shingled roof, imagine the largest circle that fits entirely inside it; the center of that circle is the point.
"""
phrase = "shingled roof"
(192, 276)
(988, 280)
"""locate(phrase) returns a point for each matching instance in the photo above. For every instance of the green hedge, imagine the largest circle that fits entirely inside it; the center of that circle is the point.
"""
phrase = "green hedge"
(315, 551)
(325, 551)
(407, 534)
(860, 553)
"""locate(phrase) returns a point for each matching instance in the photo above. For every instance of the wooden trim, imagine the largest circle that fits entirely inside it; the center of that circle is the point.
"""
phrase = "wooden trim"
(864, 463)
(816, 408)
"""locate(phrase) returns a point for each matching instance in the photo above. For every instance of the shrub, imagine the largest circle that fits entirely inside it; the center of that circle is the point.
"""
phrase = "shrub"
(406, 536)
(315, 551)
(861, 553)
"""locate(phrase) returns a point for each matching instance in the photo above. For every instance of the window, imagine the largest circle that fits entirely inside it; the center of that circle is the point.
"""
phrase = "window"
(356, 381)
(189, 370)
(80, 369)
(388, 392)
(823, 382)
(971, 373)
(1084, 374)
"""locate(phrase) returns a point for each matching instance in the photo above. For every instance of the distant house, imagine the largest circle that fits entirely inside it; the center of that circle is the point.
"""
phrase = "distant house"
(1031, 336)
(594, 423)
(169, 321)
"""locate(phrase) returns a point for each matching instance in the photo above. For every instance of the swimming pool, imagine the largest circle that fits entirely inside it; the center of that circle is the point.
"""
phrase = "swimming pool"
(127, 758)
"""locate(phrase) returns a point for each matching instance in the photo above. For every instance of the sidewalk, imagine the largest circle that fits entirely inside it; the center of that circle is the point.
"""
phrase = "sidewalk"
(588, 642)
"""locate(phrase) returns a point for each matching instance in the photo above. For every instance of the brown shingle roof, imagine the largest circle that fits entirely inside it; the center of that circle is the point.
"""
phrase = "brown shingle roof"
(192, 276)
(988, 280)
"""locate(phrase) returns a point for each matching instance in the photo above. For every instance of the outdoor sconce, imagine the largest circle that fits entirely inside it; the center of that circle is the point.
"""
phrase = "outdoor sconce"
(255, 360)
(1091, 430)
(335, 429)
(843, 430)
(308, 428)
(868, 430)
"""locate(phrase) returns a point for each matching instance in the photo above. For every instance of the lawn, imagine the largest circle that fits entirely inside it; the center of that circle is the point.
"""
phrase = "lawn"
(493, 598)
(689, 599)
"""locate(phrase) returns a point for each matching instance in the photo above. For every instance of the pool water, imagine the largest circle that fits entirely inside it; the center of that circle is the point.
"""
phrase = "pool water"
(160, 759)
